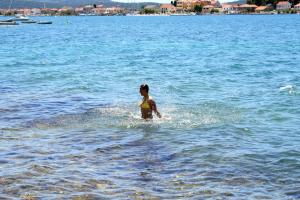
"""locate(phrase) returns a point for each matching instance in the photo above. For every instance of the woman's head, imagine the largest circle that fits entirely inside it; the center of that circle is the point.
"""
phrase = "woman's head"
(144, 89)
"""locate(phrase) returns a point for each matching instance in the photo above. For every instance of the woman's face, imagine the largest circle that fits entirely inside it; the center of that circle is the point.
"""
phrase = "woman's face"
(143, 92)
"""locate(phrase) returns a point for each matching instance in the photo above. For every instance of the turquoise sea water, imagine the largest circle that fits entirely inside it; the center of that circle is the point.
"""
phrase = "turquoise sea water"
(227, 87)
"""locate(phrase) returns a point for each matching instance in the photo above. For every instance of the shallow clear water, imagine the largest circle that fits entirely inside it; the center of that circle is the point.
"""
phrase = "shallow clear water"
(227, 87)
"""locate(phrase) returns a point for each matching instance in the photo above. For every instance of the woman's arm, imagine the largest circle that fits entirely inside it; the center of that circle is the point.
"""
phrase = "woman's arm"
(154, 108)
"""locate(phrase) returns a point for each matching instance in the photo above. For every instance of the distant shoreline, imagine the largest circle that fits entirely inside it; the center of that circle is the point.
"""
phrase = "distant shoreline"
(151, 15)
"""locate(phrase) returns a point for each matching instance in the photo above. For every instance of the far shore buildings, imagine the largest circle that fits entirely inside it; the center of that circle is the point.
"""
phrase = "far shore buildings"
(99, 10)
(85, 10)
(297, 7)
(227, 8)
(207, 9)
(177, 6)
(263, 9)
(167, 8)
(283, 5)
(247, 8)
(238, 9)
(189, 5)
(211, 5)
(36, 11)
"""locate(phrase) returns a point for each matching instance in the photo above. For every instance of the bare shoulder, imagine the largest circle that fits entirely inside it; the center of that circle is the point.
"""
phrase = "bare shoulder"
(151, 100)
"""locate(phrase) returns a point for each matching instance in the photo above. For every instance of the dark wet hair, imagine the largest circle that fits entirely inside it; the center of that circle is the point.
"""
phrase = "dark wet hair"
(144, 87)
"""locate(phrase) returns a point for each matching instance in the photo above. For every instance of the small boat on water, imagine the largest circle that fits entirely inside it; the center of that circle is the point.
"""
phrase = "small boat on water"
(8, 23)
(20, 18)
(29, 22)
(7, 20)
(44, 22)
(15, 19)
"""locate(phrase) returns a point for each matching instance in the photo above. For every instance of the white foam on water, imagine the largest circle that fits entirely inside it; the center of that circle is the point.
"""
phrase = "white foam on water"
(289, 88)
(128, 117)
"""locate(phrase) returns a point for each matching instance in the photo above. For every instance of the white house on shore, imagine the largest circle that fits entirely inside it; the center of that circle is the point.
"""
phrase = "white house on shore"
(167, 8)
(283, 5)
(297, 7)
(227, 8)
(35, 11)
(207, 8)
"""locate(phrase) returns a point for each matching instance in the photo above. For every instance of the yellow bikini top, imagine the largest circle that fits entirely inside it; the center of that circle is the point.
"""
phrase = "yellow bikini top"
(145, 104)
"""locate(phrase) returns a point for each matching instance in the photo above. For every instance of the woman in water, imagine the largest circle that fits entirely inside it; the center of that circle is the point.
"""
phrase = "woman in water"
(148, 105)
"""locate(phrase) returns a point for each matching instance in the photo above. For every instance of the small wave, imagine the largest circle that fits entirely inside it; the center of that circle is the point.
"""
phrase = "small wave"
(128, 117)
(288, 88)
(10, 129)
(2, 110)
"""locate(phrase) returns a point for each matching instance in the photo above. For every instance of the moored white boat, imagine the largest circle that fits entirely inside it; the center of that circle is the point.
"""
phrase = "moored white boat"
(44, 22)
(7, 20)
(8, 23)
(20, 18)
(29, 22)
